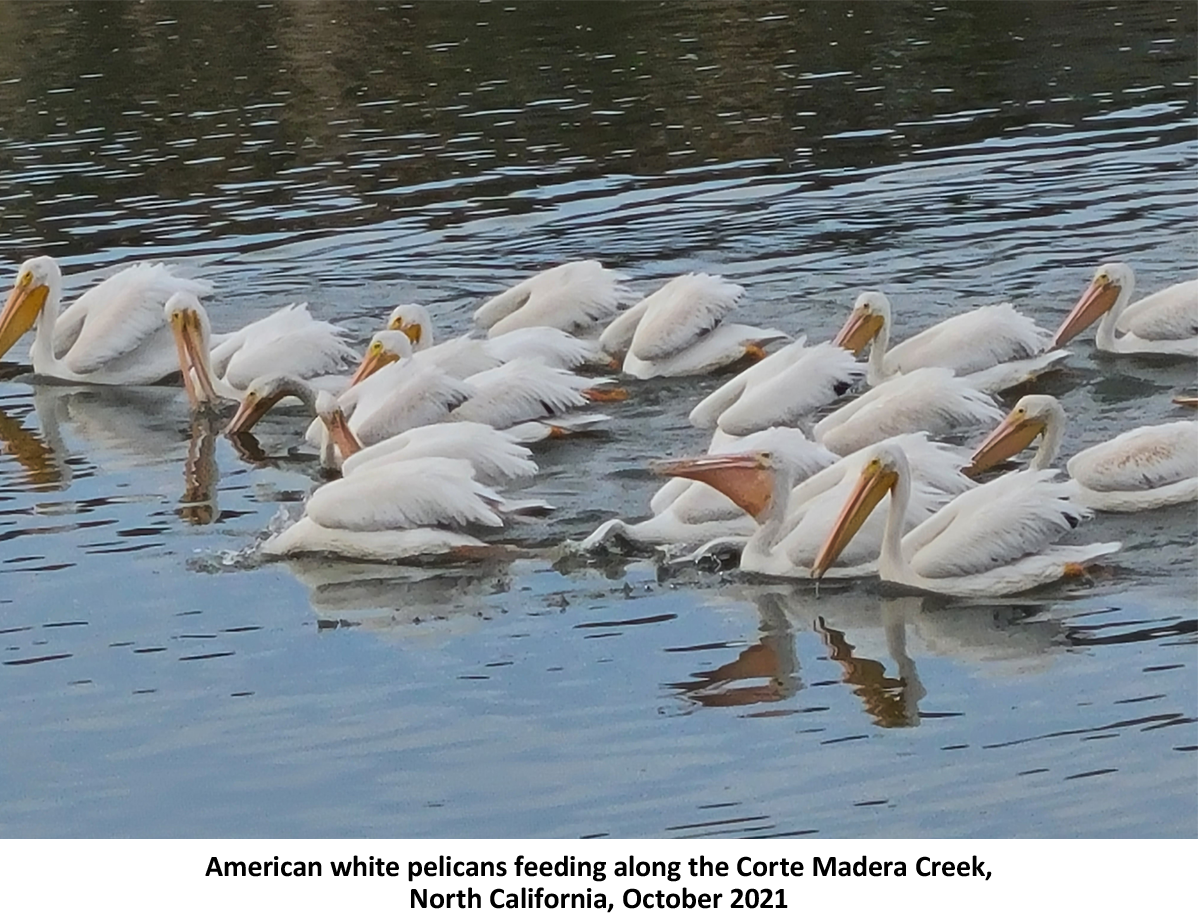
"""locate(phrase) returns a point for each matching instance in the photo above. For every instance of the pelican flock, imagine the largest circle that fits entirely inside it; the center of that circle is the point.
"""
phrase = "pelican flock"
(818, 464)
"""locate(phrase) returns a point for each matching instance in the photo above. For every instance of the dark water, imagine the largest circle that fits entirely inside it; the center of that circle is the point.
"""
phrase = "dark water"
(154, 680)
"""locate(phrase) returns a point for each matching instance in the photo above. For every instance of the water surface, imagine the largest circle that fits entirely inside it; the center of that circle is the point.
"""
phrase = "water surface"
(157, 681)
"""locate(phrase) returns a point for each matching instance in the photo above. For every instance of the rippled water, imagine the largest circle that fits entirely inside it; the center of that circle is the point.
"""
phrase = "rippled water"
(156, 680)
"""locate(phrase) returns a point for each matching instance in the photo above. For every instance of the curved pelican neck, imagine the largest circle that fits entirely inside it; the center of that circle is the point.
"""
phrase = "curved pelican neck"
(1105, 338)
(892, 563)
(876, 372)
(1050, 440)
(770, 522)
(41, 353)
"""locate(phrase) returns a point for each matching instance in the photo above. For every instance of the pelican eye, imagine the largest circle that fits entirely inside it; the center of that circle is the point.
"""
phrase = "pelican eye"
(24, 279)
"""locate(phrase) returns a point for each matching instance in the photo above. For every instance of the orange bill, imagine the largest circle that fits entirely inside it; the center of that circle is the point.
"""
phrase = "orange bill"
(875, 482)
(1012, 435)
(376, 357)
(20, 312)
(1098, 298)
(745, 478)
(861, 327)
(251, 410)
(341, 434)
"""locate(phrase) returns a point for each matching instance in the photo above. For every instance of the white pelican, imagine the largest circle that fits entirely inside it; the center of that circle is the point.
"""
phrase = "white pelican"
(526, 398)
(792, 522)
(700, 512)
(575, 296)
(395, 510)
(546, 344)
(992, 347)
(114, 333)
(1152, 466)
(927, 399)
(780, 389)
(677, 330)
(496, 456)
(1164, 323)
(287, 341)
(992, 540)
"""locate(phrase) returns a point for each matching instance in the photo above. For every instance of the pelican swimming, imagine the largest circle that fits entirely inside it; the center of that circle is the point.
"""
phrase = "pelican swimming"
(288, 341)
(1152, 466)
(700, 512)
(575, 297)
(113, 334)
(678, 330)
(791, 520)
(928, 399)
(496, 456)
(1164, 323)
(394, 510)
(992, 540)
(546, 344)
(780, 389)
(526, 398)
(992, 347)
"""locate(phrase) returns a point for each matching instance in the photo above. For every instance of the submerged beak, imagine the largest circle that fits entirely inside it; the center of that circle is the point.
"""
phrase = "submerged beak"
(251, 410)
(858, 330)
(25, 302)
(1009, 438)
(189, 340)
(746, 479)
(341, 434)
(875, 482)
(1098, 298)
(372, 361)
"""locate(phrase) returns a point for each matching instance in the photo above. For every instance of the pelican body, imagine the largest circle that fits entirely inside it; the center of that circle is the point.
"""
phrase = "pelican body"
(114, 333)
(1148, 467)
(993, 540)
(574, 297)
(393, 511)
(678, 330)
(1164, 323)
(792, 520)
(992, 347)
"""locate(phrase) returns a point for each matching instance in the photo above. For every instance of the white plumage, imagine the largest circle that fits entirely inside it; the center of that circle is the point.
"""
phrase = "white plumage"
(679, 329)
(992, 540)
(780, 389)
(1164, 323)
(928, 399)
(695, 512)
(114, 333)
(1148, 467)
(992, 347)
(497, 458)
(394, 510)
(574, 297)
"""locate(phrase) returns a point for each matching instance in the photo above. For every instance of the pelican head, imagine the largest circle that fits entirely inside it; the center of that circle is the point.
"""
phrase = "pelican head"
(1112, 282)
(189, 325)
(746, 479)
(262, 394)
(38, 280)
(334, 420)
(386, 347)
(1034, 415)
(413, 321)
(879, 476)
(871, 313)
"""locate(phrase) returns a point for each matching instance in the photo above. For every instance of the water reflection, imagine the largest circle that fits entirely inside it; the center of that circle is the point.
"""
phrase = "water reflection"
(44, 469)
(772, 658)
(201, 475)
(1016, 637)
(398, 601)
